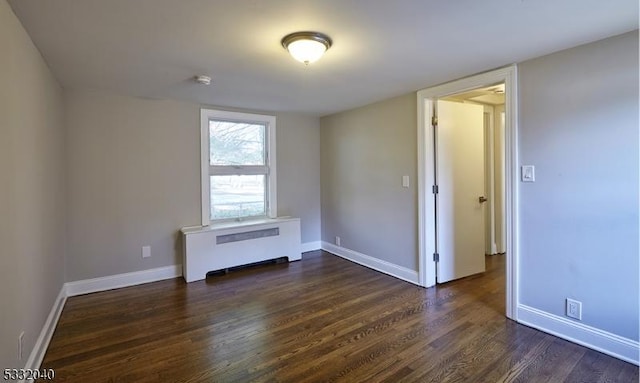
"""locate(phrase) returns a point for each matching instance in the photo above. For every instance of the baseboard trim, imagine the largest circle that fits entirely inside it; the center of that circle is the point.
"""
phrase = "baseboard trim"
(91, 286)
(44, 338)
(311, 246)
(385, 267)
(591, 337)
(122, 280)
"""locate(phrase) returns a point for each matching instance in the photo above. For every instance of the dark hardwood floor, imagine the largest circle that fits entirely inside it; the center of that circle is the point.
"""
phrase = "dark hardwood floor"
(322, 319)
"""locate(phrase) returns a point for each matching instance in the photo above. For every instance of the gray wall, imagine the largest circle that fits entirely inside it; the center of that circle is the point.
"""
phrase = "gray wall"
(134, 179)
(364, 154)
(579, 220)
(298, 149)
(125, 173)
(32, 213)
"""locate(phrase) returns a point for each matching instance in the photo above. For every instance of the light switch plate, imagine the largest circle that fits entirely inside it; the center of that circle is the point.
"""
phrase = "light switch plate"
(528, 173)
(405, 181)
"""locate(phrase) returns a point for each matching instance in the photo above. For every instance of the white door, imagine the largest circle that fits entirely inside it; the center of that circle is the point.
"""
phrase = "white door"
(460, 180)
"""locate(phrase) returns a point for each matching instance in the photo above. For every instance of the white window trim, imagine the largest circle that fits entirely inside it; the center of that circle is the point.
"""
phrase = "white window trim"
(270, 123)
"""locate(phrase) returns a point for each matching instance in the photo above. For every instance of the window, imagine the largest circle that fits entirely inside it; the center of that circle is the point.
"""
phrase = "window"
(238, 165)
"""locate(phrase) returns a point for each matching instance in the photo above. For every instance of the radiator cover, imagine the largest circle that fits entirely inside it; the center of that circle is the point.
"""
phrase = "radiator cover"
(231, 244)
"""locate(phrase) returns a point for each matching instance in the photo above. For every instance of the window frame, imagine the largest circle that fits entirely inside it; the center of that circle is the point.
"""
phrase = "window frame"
(208, 170)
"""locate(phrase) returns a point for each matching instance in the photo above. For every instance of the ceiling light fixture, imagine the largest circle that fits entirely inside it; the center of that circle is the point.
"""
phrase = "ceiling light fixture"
(306, 47)
(202, 79)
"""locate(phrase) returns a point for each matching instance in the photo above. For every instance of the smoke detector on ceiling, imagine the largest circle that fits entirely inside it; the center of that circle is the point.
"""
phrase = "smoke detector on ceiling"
(202, 79)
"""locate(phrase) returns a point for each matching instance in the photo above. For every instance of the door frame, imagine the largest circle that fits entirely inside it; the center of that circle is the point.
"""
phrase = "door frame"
(426, 164)
(489, 177)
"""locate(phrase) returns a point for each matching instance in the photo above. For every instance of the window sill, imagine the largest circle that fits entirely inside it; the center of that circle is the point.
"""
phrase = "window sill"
(249, 222)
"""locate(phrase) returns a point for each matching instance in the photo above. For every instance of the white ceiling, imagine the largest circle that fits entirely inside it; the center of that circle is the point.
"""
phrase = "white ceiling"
(492, 95)
(382, 48)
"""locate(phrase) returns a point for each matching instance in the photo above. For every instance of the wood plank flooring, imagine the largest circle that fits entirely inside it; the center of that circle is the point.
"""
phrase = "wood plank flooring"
(322, 319)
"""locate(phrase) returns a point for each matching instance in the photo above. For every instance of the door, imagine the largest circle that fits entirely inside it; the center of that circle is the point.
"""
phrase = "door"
(460, 178)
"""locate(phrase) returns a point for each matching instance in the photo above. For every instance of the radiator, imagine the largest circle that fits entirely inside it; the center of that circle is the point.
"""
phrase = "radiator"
(232, 244)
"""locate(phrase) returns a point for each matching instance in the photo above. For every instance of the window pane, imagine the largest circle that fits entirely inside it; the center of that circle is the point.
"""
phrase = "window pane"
(236, 143)
(237, 196)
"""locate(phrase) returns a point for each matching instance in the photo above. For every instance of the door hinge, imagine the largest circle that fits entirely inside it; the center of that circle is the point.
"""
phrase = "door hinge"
(434, 120)
(436, 257)
(434, 189)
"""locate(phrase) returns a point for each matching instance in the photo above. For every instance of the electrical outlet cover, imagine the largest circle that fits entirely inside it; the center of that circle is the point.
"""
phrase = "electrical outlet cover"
(574, 309)
(20, 345)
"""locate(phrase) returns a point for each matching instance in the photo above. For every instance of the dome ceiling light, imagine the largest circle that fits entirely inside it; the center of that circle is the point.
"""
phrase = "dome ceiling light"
(306, 47)
(202, 79)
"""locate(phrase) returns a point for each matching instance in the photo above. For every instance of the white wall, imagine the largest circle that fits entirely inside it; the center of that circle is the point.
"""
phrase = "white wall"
(134, 180)
(579, 220)
(365, 152)
(32, 179)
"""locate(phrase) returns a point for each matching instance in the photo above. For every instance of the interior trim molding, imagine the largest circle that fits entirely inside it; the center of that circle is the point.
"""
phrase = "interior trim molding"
(591, 337)
(44, 338)
(311, 246)
(426, 100)
(87, 286)
(385, 267)
(117, 281)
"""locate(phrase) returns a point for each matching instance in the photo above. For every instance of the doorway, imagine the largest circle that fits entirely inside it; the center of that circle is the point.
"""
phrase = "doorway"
(492, 100)
(428, 169)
